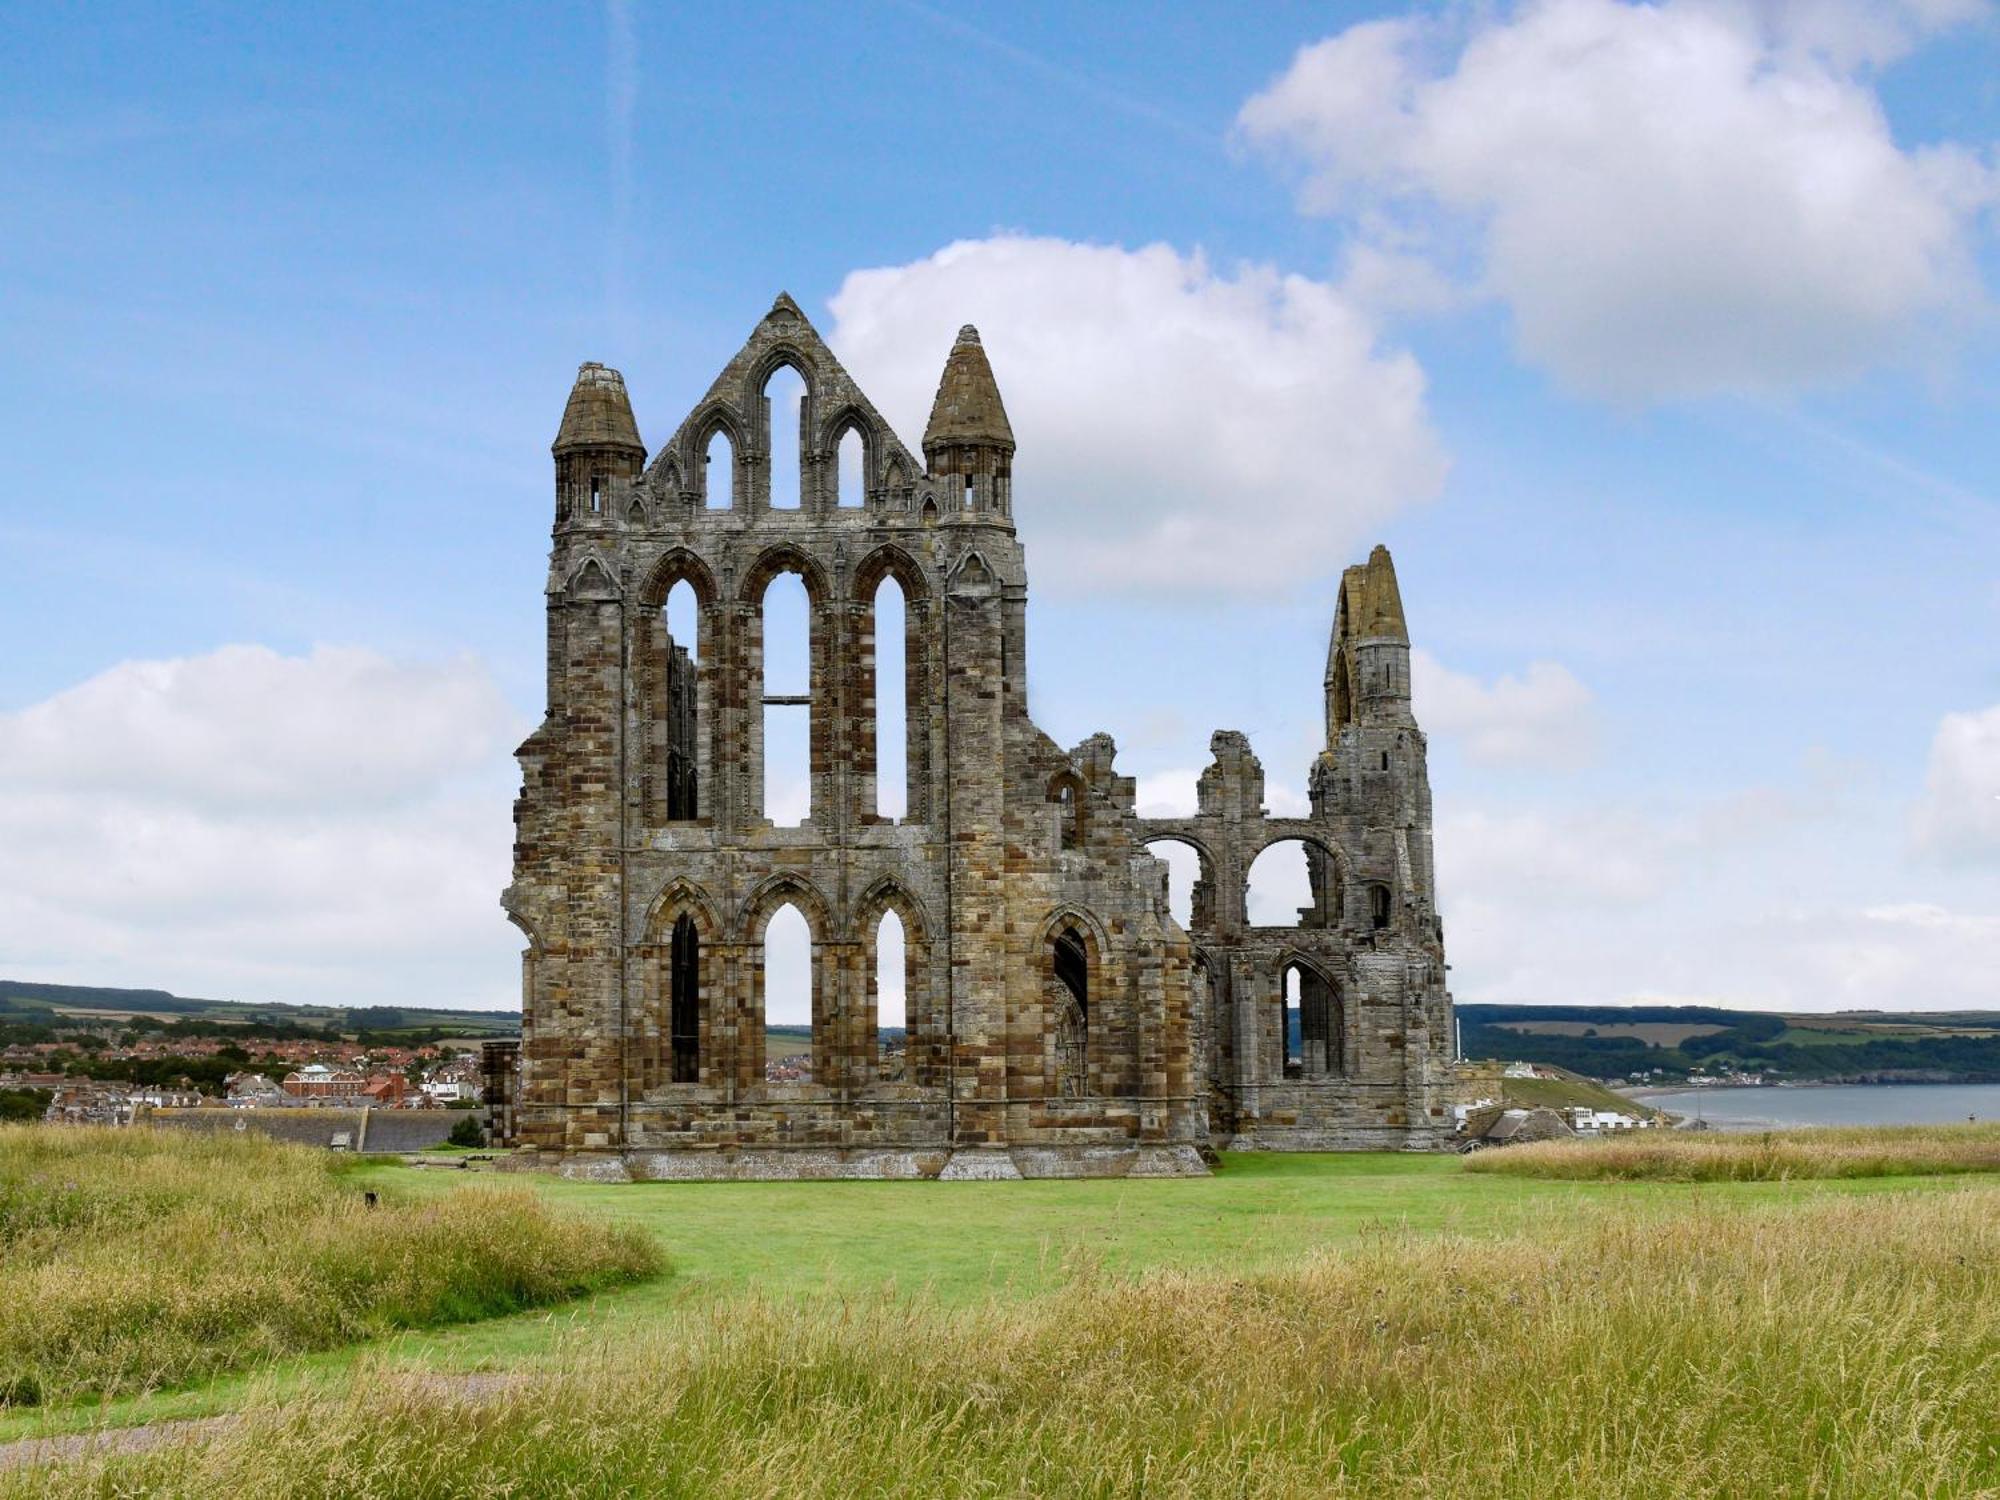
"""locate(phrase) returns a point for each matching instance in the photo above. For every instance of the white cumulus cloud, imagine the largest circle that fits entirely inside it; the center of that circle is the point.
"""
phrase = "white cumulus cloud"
(248, 825)
(1179, 426)
(1541, 717)
(1672, 199)
(1958, 816)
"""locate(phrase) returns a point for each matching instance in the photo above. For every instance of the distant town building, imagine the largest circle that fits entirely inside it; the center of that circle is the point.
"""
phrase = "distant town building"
(386, 1091)
(252, 1091)
(1587, 1121)
(316, 1081)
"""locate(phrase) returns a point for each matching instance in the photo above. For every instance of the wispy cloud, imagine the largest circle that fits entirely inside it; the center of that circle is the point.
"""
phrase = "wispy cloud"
(1088, 85)
(1895, 477)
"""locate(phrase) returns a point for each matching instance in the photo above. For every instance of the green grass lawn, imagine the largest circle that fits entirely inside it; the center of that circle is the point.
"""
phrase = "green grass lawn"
(960, 1243)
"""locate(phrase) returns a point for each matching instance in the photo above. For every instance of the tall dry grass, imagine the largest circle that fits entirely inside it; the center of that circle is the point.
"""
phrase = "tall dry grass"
(133, 1259)
(1770, 1156)
(1847, 1347)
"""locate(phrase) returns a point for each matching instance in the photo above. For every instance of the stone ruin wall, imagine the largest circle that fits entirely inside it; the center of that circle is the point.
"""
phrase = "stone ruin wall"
(1059, 1020)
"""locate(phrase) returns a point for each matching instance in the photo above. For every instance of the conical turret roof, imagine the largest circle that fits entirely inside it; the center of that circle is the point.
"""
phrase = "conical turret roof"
(599, 413)
(968, 407)
(1373, 605)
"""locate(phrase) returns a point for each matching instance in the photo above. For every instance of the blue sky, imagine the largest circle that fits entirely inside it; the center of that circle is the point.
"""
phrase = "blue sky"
(1656, 341)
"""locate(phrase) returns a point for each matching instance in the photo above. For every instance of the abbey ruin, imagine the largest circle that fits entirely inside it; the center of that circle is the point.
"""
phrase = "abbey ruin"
(1059, 1020)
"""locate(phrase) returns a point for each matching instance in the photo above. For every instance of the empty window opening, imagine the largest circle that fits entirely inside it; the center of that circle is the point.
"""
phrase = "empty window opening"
(1385, 760)
(892, 720)
(787, 997)
(1069, 999)
(1293, 884)
(784, 395)
(683, 611)
(597, 494)
(1188, 887)
(787, 679)
(1295, 1052)
(968, 492)
(892, 1028)
(1067, 794)
(1312, 1022)
(1378, 907)
(849, 460)
(684, 1020)
(719, 466)
(680, 693)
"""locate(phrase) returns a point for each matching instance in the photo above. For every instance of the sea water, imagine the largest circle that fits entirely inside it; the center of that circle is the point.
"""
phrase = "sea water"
(1834, 1104)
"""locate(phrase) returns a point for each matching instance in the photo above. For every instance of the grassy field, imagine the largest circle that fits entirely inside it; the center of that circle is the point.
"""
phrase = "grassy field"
(957, 1245)
(1840, 1345)
(1291, 1325)
(787, 1041)
(1774, 1156)
(133, 1259)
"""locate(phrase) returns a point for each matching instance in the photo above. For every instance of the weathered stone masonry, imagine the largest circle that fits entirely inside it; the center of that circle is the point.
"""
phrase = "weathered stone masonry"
(1060, 1021)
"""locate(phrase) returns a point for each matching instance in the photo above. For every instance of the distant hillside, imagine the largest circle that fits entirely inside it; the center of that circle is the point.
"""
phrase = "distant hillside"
(1567, 1090)
(17, 996)
(1615, 1042)
(25, 1001)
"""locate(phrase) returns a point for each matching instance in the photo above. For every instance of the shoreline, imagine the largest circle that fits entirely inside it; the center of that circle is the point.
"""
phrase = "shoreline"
(1653, 1090)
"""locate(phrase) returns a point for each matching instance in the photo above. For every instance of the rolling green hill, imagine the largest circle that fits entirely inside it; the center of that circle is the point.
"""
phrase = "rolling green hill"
(24, 1002)
(1615, 1042)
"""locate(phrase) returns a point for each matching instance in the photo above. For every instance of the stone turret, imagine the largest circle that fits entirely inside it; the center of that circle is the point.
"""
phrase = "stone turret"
(969, 442)
(1368, 655)
(597, 447)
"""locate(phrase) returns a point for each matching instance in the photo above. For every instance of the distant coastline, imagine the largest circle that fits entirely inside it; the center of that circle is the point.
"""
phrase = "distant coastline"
(1649, 1091)
(1795, 1105)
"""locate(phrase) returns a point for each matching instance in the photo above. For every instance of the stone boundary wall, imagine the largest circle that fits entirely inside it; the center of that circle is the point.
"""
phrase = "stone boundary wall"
(386, 1130)
(812, 1164)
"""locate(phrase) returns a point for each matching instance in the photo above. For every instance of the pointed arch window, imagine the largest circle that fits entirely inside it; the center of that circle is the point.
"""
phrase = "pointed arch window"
(718, 467)
(785, 403)
(784, 668)
(1312, 1022)
(850, 464)
(1069, 998)
(892, 1031)
(785, 996)
(684, 1011)
(891, 671)
(683, 723)
(1066, 791)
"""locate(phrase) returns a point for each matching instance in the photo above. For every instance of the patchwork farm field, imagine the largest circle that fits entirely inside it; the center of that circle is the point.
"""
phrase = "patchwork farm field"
(1292, 1325)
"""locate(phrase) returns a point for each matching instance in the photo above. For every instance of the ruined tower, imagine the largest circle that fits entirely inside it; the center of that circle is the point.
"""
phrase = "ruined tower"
(1058, 1020)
